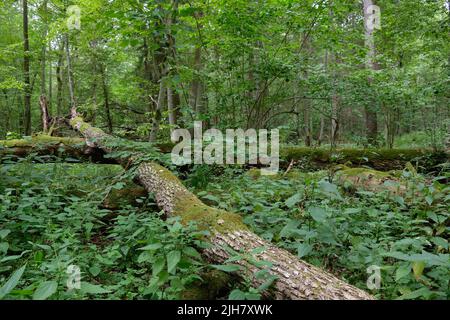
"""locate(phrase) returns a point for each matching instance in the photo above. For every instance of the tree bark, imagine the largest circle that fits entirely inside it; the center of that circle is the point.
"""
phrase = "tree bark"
(370, 113)
(295, 279)
(158, 113)
(172, 107)
(26, 70)
(69, 74)
(106, 99)
(44, 113)
(59, 81)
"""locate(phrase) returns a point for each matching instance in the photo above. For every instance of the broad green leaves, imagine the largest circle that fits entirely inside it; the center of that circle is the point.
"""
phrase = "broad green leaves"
(12, 282)
(227, 267)
(45, 290)
(93, 289)
(318, 214)
(173, 258)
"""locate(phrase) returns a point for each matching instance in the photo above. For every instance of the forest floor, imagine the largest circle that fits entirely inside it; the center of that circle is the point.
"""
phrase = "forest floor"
(58, 215)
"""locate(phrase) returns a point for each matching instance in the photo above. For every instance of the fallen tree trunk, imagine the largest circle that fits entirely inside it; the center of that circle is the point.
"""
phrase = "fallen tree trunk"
(48, 148)
(295, 279)
(59, 147)
(378, 159)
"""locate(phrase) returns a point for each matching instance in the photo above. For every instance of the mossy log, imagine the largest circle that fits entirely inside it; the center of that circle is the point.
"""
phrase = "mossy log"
(370, 180)
(59, 147)
(378, 159)
(296, 279)
(44, 145)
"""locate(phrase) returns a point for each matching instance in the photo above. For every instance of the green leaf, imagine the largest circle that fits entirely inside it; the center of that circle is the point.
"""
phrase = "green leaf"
(289, 228)
(45, 290)
(158, 265)
(271, 279)
(303, 250)
(173, 258)
(95, 270)
(191, 252)
(4, 233)
(441, 242)
(330, 189)
(92, 288)
(12, 282)
(352, 210)
(292, 201)
(227, 267)
(418, 267)
(236, 294)
(317, 213)
(152, 247)
(402, 271)
(422, 292)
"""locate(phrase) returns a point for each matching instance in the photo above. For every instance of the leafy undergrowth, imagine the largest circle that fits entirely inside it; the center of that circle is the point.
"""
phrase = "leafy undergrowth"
(406, 237)
(53, 222)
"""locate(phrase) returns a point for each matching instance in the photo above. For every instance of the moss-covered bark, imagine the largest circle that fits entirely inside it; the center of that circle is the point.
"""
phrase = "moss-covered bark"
(378, 159)
(43, 145)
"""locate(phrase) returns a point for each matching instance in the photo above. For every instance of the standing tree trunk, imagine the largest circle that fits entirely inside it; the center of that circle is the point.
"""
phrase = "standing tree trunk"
(59, 81)
(307, 120)
(50, 82)
(321, 130)
(334, 119)
(172, 107)
(196, 86)
(26, 70)
(44, 114)
(70, 74)
(295, 279)
(106, 99)
(369, 111)
(158, 113)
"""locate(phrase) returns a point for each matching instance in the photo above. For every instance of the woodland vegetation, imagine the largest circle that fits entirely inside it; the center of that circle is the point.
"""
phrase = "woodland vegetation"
(91, 90)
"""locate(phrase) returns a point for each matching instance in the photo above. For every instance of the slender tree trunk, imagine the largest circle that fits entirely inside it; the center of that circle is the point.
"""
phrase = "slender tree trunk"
(44, 114)
(70, 74)
(322, 128)
(370, 111)
(50, 82)
(106, 100)
(307, 120)
(158, 113)
(172, 107)
(26, 70)
(334, 119)
(59, 81)
(195, 92)
(44, 51)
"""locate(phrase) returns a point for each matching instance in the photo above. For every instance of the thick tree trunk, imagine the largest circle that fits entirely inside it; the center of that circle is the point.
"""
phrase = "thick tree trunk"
(295, 279)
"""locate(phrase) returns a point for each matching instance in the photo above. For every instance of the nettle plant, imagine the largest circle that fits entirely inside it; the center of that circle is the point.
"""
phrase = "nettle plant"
(406, 236)
(52, 218)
